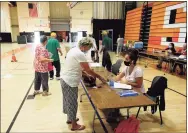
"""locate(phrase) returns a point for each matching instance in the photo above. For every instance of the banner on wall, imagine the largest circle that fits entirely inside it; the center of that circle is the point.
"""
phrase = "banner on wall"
(33, 11)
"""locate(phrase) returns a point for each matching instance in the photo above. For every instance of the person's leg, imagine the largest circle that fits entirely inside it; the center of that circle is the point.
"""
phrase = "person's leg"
(52, 73)
(58, 68)
(121, 47)
(108, 62)
(104, 59)
(37, 83)
(72, 106)
(117, 50)
(63, 87)
(45, 87)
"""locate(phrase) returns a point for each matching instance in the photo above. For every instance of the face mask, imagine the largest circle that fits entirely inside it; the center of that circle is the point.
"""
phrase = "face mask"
(127, 63)
(170, 46)
(85, 52)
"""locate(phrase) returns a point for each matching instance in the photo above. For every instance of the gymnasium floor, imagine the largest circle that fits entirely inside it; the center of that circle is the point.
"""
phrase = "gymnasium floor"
(44, 114)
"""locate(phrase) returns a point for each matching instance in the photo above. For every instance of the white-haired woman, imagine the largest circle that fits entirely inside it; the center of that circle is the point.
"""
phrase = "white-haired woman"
(75, 63)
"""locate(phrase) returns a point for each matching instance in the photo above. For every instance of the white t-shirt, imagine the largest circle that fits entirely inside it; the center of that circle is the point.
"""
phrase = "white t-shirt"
(136, 73)
(72, 72)
(94, 44)
(120, 41)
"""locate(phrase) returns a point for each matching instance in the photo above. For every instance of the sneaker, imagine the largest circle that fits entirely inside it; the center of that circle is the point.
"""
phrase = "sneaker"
(45, 93)
(36, 92)
(51, 78)
(57, 78)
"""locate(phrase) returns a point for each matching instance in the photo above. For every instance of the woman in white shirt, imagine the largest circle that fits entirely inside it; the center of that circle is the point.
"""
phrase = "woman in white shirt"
(131, 74)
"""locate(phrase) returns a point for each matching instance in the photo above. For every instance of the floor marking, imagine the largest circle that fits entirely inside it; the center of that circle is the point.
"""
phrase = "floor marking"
(169, 89)
(18, 111)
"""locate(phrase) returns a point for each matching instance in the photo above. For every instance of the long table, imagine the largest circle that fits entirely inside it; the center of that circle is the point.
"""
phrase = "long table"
(158, 55)
(107, 98)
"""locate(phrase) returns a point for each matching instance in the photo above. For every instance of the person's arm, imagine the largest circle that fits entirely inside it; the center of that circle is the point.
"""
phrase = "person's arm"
(59, 48)
(137, 84)
(119, 77)
(103, 45)
(60, 51)
(87, 69)
(43, 59)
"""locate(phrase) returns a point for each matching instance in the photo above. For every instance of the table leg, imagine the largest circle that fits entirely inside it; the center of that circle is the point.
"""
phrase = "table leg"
(93, 124)
(127, 113)
(81, 96)
(102, 124)
(138, 112)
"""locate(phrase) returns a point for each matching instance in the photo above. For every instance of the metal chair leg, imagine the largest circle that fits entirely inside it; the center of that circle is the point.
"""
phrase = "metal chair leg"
(138, 112)
(81, 96)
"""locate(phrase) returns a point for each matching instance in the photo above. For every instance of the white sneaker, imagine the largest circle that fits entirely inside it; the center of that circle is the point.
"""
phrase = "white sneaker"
(51, 78)
(57, 78)
(46, 93)
(37, 92)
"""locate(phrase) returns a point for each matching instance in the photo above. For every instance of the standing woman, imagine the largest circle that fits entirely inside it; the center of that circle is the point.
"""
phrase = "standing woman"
(75, 63)
(41, 67)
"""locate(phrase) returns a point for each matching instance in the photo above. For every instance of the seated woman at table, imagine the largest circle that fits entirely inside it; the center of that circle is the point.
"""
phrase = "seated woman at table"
(131, 74)
(171, 51)
(182, 52)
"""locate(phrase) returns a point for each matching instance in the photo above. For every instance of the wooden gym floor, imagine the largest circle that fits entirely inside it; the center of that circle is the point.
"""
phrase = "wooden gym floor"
(44, 114)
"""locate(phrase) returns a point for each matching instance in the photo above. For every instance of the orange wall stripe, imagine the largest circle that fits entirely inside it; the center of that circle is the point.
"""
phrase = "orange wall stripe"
(181, 20)
(181, 15)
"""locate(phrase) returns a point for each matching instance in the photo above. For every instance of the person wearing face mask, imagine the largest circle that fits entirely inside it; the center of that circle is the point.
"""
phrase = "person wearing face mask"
(170, 50)
(75, 63)
(131, 74)
(41, 60)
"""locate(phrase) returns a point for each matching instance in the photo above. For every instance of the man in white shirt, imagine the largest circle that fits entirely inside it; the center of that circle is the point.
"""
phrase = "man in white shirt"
(75, 63)
(120, 42)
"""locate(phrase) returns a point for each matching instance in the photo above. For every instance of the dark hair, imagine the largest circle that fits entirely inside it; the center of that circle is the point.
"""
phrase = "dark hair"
(43, 38)
(173, 48)
(172, 45)
(133, 54)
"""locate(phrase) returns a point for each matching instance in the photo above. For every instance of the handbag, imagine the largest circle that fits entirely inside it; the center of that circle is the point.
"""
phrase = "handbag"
(50, 66)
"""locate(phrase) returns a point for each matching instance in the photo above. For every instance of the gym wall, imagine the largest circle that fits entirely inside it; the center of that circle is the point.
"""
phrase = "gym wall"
(81, 16)
(30, 21)
(165, 23)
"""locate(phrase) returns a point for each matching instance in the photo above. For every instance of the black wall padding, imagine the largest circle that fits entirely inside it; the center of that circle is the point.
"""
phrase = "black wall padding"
(5, 37)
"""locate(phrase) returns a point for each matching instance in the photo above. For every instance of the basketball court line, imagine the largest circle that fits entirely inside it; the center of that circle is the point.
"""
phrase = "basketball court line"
(18, 111)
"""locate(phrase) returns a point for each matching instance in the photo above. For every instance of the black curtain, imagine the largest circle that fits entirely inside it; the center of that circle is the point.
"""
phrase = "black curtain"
(5, 37)
(118, 26)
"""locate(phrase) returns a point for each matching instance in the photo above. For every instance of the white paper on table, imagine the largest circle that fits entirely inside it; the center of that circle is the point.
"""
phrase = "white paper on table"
(95, 64)
(122, 86)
